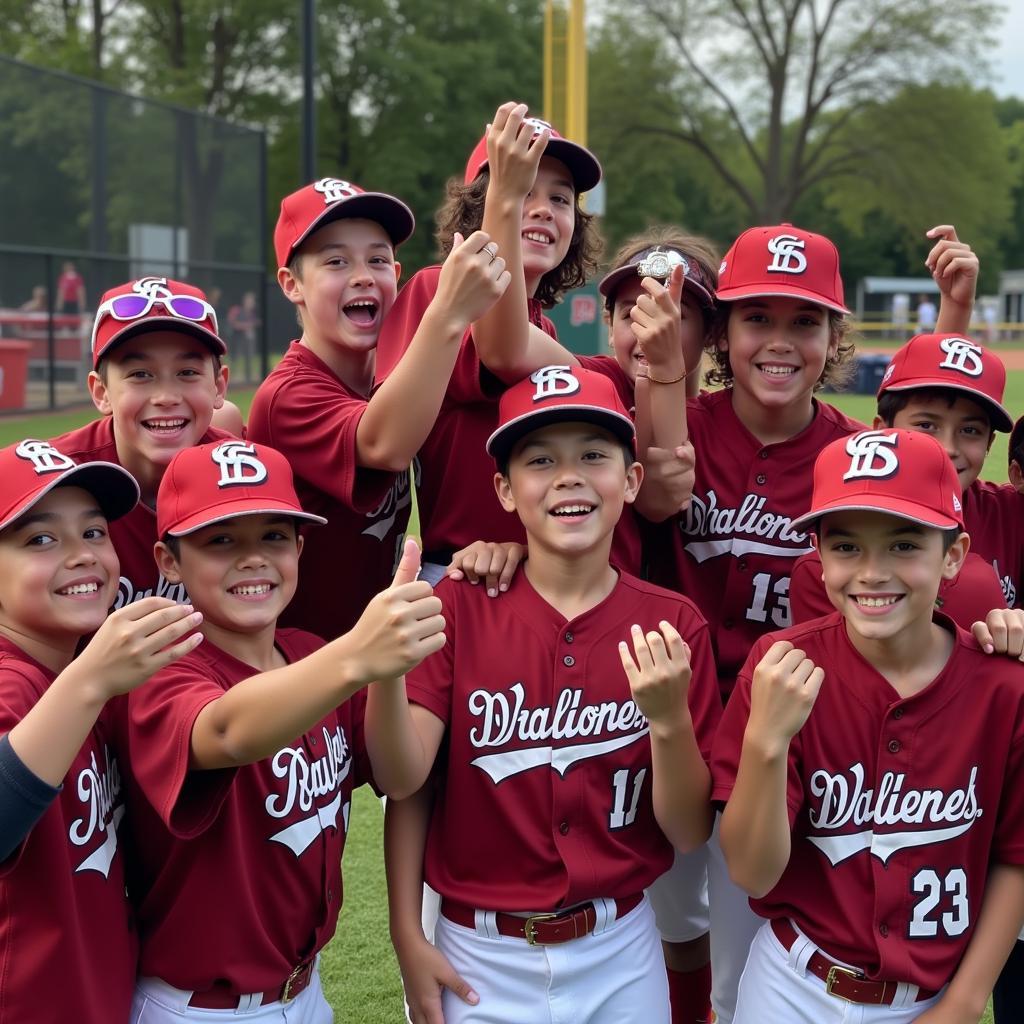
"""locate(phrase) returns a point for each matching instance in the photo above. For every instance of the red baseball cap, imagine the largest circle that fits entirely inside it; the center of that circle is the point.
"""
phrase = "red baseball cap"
(557, 394)
(329, 199)
(209, 483)
(904, 473)
(782, 260)
(659, 261)
(31, 469)
(954, 362)
(583, 165)
(153, 304)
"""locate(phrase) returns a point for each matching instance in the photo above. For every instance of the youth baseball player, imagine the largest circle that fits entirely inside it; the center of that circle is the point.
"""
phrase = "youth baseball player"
(887, 860)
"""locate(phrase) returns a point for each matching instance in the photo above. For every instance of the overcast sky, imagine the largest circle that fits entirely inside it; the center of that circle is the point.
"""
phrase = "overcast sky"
(1008, 65)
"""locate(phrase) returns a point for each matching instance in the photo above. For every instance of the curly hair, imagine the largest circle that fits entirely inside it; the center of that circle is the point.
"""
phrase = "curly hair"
(839, 366)
(463, 211)
(666, 236)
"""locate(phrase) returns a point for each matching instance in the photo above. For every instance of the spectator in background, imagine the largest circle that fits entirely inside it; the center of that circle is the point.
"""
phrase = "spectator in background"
(70, 290)
(36, 304)
(926, 315)
(244, 321)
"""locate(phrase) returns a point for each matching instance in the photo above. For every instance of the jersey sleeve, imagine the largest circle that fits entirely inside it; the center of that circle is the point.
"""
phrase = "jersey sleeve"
(362, 768)
(161, 714)
(24, 798)
(430, 684)
(1008, 841)
(313, 421)
(703, 698)
(728, 745)
(808, 598)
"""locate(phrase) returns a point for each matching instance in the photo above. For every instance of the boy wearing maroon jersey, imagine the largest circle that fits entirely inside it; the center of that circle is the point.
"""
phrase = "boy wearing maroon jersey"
(590, 751)
(243, 759)
(888, 861)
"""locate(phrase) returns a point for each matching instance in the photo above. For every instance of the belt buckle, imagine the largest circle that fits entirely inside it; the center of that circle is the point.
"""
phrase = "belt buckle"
(833, 976)
(286, 992)
(530, 927)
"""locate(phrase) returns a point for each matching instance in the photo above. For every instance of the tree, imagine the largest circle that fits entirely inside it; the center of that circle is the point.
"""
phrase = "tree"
(772, 85)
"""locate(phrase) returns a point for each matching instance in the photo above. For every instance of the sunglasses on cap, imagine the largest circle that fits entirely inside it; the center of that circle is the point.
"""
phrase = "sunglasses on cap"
(133, 306)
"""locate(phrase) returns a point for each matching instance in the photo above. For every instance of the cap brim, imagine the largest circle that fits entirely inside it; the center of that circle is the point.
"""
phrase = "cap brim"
(163, 323)
(890, 506)
(1001, 419)
(582, 164)
(503, 440)
(778, 291)
(241, 507)
(610, 283)
(113, 487)
(390, 213)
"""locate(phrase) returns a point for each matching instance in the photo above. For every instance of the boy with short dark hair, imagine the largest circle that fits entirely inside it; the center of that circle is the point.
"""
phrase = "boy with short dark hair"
(244, 756)
(888, 860)
(351, 449)
(952, 388)
(588, 750)
(67, 944)
(156, 379)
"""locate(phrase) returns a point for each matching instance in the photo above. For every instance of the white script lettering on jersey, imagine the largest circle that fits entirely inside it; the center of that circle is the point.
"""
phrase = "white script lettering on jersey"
(844, 800)
(787, 254)
(382, 518)
(98, 790)
(704, 519)
(128, 594)
(306, 782)
(505, 719)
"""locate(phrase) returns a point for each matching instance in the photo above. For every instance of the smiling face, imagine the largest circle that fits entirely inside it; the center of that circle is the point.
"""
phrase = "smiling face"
(958, 423)
(58, 571)
(549, 217)
(347, 282)
(568, 483)
(161, 389)
(883, 572)
(622, 340)
(240, 573)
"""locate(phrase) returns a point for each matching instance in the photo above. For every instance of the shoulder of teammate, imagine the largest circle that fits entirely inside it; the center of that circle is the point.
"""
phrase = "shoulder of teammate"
(297, 643)
(838, 420)
(662, 600)
(92, 442)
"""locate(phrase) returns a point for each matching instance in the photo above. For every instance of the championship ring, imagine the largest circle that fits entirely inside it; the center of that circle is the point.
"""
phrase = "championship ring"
(661, 263)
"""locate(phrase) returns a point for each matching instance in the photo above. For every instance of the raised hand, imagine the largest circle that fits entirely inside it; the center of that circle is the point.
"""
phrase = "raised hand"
(953, 265)
(400, 626)
(785, 686)
(658, 670)
(655, 322)
(493, 562)
(513, 154)
(472, 279)
(138, 640)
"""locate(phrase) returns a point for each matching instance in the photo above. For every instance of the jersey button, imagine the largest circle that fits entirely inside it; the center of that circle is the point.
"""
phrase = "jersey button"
(763, 453)
(898, 713)
(761, 478)
(568, 661)
(895, 746)
(564, 828)
(728, 623)
(741, 565)
(569, 638)
(883, 930)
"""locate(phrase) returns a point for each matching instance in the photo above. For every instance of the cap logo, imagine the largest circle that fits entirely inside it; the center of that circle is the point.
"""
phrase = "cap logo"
(889, 371)
(787, 255)
(334, 190)
(239, 464)
(961, 355)
(553, 382)
(43, 456)
(871, 455)
(152, 287)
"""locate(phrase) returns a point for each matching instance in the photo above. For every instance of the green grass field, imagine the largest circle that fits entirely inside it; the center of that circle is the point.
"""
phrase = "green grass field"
(359, 969)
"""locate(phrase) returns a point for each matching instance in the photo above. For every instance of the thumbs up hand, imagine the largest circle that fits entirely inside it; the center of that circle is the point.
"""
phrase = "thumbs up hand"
(400, 626)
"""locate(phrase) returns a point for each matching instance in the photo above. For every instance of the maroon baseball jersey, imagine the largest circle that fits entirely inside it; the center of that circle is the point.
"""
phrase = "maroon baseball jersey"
(731, 552)
(133, 535)
(236, 874)
(994, 517)
(67, 945)
(310, 415)
(967, 598)
(456, 495)
(546, 794)
(897, 805)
